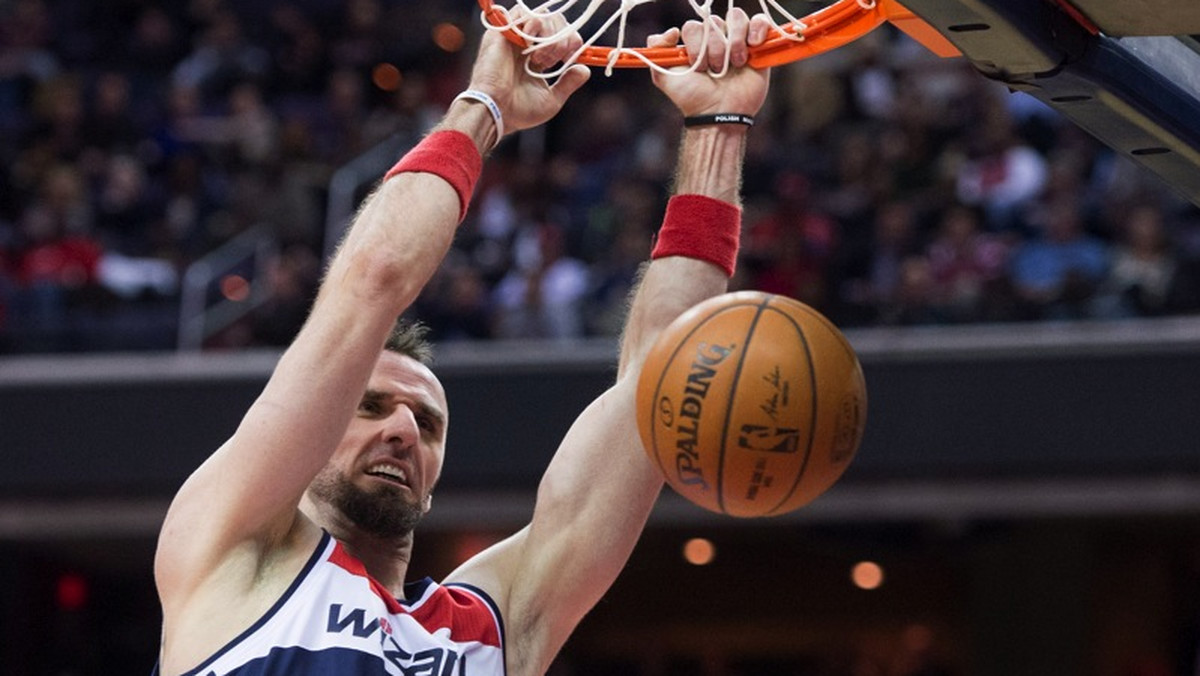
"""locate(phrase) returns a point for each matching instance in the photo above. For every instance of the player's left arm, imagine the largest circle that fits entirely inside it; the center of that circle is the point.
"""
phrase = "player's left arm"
(600, 487)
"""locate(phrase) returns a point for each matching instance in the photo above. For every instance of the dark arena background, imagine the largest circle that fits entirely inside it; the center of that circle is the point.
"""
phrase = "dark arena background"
(1026, 500)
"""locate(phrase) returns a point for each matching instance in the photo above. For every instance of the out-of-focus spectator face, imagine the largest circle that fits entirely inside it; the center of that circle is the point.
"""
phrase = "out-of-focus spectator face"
(792, 188)
(183, 101)
(203, 11)
(915, 285)
(153, 30)
(60, 102)
(363, 15)
(894, 225)
(993, 132)
(1063, 221)
(63, 189)
(28, 25)
(607, 124)
(637, 201)
(345, 93)
(466, 289)
(1145, 231)
(959, 225)
(632, 243)
(293, 273)
(112, 94)
(38, 225)
(226, 31)
(295, 139)
(412, 93)
(246, 98)
(184, 174)
(125, 181)
(855, 155)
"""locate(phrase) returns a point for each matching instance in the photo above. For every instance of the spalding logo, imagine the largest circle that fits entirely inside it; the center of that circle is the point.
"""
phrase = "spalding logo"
(700, 374)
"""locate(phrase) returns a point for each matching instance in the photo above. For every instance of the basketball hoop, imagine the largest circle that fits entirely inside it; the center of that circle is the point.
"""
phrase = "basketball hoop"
(791, 38)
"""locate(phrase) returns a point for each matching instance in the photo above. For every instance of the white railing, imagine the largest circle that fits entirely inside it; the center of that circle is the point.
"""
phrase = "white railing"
(203, 308)
(346, 185)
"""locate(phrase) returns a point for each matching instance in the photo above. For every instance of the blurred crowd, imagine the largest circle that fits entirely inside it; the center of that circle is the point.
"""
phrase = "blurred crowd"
(883, 186)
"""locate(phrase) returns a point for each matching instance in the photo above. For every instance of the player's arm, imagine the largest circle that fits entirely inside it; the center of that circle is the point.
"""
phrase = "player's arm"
(598, 491)
(242, 501)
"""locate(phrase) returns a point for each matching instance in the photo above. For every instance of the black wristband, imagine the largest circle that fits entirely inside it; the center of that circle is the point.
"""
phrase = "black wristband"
(719, 118)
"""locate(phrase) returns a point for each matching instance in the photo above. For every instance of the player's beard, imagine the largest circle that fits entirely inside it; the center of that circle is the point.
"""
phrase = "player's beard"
(384, 512)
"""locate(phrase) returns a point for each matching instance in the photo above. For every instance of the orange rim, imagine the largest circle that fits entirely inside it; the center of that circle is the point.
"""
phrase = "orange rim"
(826, 29)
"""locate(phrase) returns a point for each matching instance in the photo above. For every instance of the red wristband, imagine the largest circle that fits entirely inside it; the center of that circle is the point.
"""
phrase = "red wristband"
(700, 227)
(450, 154)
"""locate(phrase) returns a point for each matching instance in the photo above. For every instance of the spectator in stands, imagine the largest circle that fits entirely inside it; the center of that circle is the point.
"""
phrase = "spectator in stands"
(337, 124)
(126, 213)
(245, 135)
(614, 277)
(913, 300)
(56, 259)
(788, 250)
(967, 267)
(192, 197)
(153, 47)
(455, 305)
(112, 124)
(1143, 268)
(298, 50)
(543, 295)
(56, 133)
(875, 268)
(1056, 273)
(292, 279)
(858, 180)
(1001, 174)
(223, 56)
(27, 60)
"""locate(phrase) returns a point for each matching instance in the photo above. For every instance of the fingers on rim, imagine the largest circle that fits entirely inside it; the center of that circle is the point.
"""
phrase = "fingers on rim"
(552, 52)
(557, 52)
(717, 44)
(668, 38)
(738, 26)
(693, 37)
(760, 28)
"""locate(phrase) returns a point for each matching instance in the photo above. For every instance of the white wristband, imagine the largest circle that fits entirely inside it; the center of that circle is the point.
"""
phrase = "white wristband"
(490, 103)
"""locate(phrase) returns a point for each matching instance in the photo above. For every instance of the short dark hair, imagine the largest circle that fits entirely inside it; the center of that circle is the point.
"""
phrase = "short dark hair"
(409, 339)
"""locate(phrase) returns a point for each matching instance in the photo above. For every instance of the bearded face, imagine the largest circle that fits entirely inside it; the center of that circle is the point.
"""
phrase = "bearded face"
(383, 512)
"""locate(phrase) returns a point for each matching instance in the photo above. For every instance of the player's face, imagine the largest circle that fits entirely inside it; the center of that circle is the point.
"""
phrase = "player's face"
(382, 475)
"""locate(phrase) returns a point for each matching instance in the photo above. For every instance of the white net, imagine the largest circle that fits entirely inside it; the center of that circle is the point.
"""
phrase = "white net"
(576, 16)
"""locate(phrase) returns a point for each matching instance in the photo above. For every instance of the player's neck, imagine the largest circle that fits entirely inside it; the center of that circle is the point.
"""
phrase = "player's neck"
(386, 559)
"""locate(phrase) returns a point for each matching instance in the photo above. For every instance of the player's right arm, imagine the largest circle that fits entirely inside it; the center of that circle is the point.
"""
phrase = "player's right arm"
(236, 517)
(235, 521)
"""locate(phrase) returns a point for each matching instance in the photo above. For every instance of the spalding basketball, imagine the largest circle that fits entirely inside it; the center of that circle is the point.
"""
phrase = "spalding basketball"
(751, 404)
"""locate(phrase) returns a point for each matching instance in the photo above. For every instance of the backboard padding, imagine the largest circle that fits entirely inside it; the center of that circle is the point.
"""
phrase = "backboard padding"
(1119, 18)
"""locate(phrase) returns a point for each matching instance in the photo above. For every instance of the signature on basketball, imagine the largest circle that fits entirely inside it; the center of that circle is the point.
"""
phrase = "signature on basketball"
(779, 397)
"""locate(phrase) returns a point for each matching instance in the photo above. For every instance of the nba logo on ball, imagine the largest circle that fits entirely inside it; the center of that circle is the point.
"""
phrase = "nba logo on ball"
(751, 404)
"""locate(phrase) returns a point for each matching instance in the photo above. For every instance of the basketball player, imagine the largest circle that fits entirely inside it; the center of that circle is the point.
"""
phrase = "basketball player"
(287, 551)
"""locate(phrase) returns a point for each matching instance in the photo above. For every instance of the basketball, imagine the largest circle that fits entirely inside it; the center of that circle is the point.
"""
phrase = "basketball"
(751, 404)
